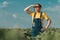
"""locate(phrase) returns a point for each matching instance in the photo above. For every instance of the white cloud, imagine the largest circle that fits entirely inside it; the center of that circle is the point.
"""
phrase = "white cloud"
(3, 4)
(14, 15)
(53, 9)
(59, 1)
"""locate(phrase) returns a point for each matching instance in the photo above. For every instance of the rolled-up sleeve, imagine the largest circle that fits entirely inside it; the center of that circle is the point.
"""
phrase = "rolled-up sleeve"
(45, 16)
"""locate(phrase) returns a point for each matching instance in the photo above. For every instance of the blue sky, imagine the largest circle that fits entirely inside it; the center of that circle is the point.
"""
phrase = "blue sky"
(12, 13)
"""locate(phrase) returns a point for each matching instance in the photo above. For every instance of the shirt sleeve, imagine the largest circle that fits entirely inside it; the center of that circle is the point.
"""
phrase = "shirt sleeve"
(45, 16)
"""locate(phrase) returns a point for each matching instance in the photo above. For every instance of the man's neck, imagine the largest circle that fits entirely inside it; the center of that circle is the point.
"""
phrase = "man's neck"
(37, 11)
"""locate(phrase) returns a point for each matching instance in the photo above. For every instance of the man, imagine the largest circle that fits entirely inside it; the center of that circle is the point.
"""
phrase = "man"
(37, 19)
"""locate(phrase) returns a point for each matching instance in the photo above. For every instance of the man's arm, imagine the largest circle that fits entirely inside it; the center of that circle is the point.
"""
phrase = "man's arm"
(48, 24)
(27, 9)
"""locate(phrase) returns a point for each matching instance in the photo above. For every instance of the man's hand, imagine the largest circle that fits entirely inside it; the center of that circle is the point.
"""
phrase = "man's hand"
(43, 29)
(32, 5)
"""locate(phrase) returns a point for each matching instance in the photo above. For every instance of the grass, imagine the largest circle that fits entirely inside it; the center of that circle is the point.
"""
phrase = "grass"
(18, 34)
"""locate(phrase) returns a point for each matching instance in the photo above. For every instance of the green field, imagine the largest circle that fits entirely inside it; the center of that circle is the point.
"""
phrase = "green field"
(18, 34)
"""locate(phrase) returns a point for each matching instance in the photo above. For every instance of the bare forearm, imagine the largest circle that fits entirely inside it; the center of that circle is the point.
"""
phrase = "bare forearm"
(48, 24)
(27, 8)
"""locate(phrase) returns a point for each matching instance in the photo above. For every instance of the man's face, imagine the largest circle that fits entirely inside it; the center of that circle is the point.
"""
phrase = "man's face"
(37, 8)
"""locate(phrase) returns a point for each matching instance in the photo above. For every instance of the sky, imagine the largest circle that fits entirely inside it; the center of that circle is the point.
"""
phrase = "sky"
(12, 13)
